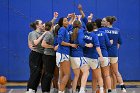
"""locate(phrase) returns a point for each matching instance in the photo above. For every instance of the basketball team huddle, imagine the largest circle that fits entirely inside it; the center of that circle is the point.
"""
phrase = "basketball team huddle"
(76, 42)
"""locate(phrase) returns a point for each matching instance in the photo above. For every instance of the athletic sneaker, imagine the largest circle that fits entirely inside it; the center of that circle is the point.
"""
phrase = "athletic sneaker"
(109, 91)
(82, 91)
(30, 91)
(78, 88)
(123, 88)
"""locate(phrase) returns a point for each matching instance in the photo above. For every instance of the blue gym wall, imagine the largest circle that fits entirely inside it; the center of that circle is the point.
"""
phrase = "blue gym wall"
(16, 15)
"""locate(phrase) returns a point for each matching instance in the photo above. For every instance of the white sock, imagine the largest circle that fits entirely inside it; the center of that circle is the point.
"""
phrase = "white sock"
(82, 89)
(101, 90)
(122, 84)
(61, 92)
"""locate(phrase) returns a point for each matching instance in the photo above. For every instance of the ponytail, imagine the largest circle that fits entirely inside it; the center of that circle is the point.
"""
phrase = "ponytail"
(33, 25)
(57, 27)
(60, 22)
(76, 27)
(74, 34)
(111, 19)
(48, 26)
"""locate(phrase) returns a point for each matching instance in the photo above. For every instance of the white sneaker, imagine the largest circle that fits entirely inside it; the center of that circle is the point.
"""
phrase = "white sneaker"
(124, 90)
(82, 91)
(30, 91)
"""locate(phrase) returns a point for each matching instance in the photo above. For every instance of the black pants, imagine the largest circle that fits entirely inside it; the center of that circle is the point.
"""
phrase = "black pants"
(49, 63)
(35, 64)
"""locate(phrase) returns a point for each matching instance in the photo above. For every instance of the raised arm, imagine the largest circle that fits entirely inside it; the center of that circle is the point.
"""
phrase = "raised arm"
(55, 15)
(90, 17)
(72, 16)
(79, 17)
(81, 10)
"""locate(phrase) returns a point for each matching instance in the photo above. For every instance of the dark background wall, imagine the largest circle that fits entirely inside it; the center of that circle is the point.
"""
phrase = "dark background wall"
(16, 15)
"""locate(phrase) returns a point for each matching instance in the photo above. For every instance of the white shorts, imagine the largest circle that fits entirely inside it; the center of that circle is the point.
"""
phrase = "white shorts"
(105, 63)
(113, 60)
(93, 63)
(78, 62)
(61, 58)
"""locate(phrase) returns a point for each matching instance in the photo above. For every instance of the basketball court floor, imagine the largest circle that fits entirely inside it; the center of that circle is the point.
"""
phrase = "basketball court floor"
(132, 87)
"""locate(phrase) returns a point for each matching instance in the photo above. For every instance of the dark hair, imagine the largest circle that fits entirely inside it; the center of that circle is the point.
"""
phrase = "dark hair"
(76, 27)
(98, 22)
(48, 26)
(111, 19)
(89, 26)
(94, 25)
(33, 24)
(60, 22)
(57, 27)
